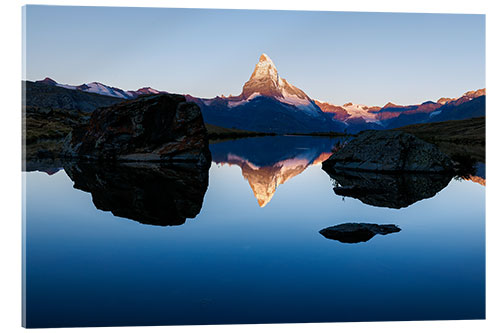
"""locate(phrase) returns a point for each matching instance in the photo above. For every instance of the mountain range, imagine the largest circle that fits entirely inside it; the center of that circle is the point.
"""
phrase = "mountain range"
(269, 103)
(102, 89)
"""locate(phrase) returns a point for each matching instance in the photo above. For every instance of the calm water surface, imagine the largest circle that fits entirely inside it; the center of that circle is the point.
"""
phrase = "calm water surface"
(247, 248)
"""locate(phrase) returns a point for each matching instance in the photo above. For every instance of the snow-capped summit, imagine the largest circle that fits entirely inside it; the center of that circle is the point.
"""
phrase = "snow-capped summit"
(266, 81)
(266, 71)
(362, 111)
(102, 89)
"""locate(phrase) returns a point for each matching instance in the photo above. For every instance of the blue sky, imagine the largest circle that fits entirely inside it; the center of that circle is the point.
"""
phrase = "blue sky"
(368, 58)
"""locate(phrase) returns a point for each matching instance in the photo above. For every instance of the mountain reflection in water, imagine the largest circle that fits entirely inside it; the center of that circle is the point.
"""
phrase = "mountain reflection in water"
(267, 162)
(149, 193)
(479, 175)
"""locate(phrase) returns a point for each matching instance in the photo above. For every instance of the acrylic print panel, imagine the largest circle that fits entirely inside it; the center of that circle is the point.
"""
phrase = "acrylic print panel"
(197, 166)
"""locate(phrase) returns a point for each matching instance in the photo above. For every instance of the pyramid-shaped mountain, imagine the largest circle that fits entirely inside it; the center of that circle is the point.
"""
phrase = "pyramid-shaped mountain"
(265, 81)
(267, 103)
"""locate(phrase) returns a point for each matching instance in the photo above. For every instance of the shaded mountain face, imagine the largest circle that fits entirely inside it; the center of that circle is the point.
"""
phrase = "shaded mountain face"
(266, 163)
(265, 114)
(149, 193)
(462, 108)
(457, 110)
(387, 190)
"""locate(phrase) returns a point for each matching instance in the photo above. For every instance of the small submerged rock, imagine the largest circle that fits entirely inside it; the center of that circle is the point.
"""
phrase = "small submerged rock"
(357, 232)
(389, 151)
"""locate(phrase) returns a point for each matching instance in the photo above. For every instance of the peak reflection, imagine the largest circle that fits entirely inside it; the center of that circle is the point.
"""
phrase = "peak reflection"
(268, 162)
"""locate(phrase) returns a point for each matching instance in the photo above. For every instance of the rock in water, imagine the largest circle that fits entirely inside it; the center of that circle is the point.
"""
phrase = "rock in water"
(389, 151)
(357, 232)
(150, 128)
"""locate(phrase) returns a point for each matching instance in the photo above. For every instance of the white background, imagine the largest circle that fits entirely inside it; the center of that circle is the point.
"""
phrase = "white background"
(11, 184)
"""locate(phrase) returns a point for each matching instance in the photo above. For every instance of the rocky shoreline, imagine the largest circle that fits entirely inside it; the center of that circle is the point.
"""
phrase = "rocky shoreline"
(389, 151)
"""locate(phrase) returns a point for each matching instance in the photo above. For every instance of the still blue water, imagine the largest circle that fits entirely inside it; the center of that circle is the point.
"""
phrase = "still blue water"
(244, 260)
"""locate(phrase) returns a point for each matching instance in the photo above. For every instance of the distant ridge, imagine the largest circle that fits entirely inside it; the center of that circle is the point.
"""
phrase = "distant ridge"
(102, 89)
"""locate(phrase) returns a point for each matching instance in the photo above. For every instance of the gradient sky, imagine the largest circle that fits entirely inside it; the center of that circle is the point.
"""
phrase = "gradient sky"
(368, 58)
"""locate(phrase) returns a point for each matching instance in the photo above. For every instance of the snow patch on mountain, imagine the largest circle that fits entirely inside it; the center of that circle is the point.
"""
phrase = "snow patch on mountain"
(300, 103)
(435, 113)
(360, 110)
(233, 104)
(99, 88)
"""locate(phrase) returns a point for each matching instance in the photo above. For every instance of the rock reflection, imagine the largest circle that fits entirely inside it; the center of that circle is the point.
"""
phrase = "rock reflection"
(149, 193)
(387, 190)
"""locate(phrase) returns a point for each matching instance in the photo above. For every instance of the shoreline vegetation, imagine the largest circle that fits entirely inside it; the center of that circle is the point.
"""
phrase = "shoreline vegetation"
(456, 138)
(326, 134)
(218, 133)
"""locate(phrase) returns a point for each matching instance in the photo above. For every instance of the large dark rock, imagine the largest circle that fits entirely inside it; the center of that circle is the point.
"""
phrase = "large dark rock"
(151, 128)
(149, 193)
(357, 232)
(388, 190)
(389, 151)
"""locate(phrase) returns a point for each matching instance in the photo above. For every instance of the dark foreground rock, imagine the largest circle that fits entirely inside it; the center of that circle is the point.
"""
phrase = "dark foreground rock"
(149, 193)
(388, 190)
(151, 128)
(357, 232)
(389, 151)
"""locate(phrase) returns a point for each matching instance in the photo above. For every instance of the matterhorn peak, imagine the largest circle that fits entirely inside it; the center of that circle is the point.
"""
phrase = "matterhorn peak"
(265, 81)
(265, 70)
(265, 60)
(264, 57)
